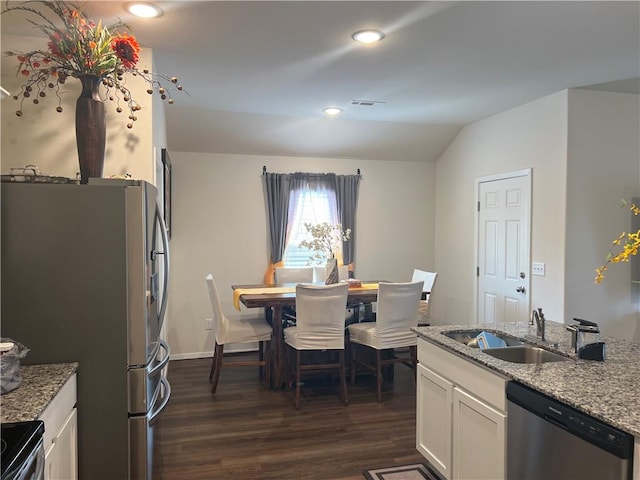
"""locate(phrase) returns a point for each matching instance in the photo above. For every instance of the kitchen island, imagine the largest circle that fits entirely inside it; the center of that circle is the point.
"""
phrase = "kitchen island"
(608, 391)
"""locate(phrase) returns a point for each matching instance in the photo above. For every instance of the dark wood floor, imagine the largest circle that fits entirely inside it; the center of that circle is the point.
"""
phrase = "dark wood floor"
(247, 432)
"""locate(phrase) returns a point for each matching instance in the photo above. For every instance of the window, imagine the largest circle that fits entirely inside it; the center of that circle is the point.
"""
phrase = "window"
(307, 205)
(293, 199)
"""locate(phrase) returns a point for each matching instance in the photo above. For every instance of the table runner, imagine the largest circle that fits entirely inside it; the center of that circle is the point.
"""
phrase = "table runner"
(291, 289)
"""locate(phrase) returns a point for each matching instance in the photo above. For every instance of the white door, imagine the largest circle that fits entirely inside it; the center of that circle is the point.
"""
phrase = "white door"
(503, 248)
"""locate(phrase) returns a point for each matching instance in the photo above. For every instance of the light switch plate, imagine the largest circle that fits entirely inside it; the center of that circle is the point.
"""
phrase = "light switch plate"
(537, 268)
(208, 323)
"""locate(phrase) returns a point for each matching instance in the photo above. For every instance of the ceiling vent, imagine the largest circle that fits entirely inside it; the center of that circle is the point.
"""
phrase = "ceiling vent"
(366, 103)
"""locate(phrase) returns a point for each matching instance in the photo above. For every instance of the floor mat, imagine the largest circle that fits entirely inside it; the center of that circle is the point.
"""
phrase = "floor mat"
(415, 471)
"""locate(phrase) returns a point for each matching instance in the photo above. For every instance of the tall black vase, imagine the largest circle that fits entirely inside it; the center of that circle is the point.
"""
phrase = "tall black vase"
(91, 128)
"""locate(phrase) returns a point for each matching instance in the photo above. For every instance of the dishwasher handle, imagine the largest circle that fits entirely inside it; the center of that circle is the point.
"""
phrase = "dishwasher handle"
(556, 422)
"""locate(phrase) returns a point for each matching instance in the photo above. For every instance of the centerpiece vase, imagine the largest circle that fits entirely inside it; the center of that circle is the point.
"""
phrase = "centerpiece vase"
(332, 271)
(91, 128)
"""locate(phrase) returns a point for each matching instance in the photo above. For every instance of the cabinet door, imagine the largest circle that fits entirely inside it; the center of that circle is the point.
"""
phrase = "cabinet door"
(636, 459)
(478, 438)
(62, 458)
(433, 419)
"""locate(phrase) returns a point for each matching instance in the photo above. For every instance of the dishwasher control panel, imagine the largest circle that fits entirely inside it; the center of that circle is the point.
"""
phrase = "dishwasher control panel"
(578, 423)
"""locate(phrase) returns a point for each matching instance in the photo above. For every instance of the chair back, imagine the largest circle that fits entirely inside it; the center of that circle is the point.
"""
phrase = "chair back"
(343, 272)
(429, 279)
(220, 321)
(320, 315)
(294, 275)
(397, 312)
(320, 273)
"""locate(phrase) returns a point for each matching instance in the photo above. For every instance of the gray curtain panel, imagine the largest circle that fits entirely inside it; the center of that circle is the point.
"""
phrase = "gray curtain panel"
(347, 187)
(276, 187)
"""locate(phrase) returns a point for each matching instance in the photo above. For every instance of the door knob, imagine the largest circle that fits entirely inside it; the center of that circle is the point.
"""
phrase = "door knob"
(521, 289)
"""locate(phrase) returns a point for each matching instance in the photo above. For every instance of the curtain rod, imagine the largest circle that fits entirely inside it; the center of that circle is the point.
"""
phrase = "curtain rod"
(264, 171)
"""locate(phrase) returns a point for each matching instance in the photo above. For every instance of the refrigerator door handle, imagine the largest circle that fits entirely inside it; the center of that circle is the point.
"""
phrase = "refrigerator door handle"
(164, 361)
(165, 257)
(153, 416)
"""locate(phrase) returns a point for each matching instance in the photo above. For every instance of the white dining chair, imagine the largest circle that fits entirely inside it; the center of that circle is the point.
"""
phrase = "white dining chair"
(319, 331)
(237, 330)
(320, 273)
(429, 279)
(320, 276)
(397, 312)
(294, 275)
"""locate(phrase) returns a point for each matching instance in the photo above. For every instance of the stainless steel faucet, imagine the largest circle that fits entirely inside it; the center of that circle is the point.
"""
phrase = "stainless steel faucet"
(538, 316)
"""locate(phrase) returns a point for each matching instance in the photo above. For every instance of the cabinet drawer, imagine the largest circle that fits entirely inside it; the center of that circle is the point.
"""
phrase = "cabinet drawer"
(58, 410)
(465, 373)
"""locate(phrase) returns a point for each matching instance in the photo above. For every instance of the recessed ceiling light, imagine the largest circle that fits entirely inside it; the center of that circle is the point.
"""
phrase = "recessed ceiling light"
(332, 111)
(368, 36)
(144, 9)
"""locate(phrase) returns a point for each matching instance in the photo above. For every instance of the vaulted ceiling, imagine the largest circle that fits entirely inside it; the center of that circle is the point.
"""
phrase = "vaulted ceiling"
(259, 73)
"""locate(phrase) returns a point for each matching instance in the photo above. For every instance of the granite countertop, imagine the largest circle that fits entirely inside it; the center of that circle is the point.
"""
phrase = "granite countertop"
(609, 390)
(40, 383)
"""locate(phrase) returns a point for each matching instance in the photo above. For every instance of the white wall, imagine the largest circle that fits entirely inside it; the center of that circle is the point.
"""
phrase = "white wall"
(532, 135)
(219, 227)
(47, 138)
(603, 156)
(583, 147)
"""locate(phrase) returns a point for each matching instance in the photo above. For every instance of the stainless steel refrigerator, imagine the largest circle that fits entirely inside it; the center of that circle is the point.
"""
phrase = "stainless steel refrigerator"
(84, 278)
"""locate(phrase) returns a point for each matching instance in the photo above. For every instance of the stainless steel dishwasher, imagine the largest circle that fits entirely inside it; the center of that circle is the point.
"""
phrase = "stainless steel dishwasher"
(548, 440)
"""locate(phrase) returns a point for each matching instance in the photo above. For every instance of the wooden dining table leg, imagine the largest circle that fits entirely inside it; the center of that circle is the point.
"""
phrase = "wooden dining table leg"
(278, 348)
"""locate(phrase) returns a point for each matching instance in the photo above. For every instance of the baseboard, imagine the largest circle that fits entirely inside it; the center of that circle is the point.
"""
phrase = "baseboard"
(190, 356)
(230, 349)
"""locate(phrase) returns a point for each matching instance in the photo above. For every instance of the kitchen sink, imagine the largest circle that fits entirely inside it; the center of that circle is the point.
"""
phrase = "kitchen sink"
(466, 336)
(524, 354)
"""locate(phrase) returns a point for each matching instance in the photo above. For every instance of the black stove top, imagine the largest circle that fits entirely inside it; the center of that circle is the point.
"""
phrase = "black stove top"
(18, 441)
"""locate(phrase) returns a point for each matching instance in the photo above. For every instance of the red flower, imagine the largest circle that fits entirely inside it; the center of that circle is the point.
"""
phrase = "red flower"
(126, 48)
(25, 73)
(53, 47)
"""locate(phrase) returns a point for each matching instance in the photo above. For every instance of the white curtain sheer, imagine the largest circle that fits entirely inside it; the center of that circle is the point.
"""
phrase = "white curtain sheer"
(312, 200)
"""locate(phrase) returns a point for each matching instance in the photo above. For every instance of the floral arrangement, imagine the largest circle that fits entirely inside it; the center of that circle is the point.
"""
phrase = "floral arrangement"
(80, 47)
(325, 240)
(628, 244)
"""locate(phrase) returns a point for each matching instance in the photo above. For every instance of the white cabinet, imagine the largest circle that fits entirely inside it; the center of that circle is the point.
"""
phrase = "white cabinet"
(461, 415)
(435, 397)
(60, 434)
(478, 436)
(636, 459)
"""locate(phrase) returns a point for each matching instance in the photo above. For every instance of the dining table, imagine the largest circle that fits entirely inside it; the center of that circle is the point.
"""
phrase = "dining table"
(273, 298)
